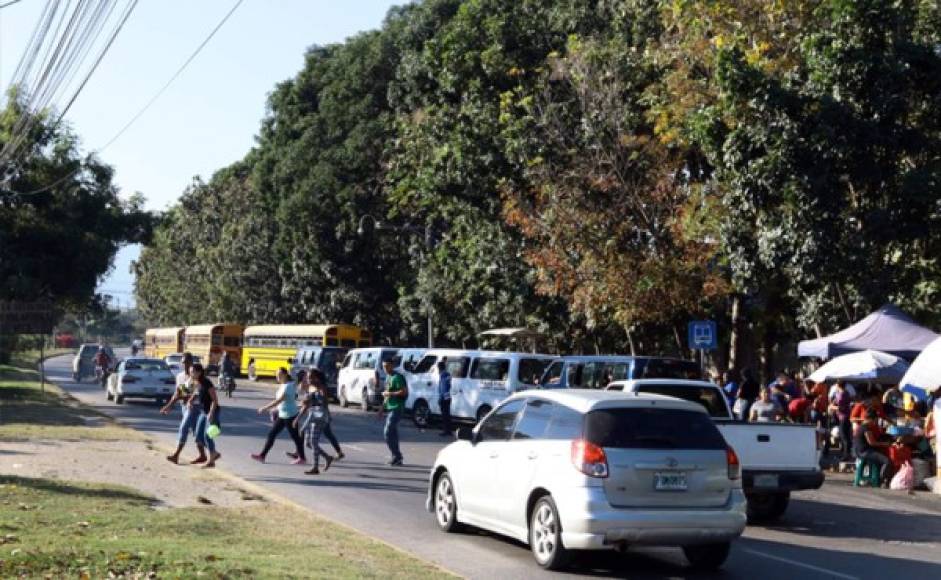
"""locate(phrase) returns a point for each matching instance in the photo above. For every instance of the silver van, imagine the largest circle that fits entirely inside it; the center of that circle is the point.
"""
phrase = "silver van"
(597, 371)
(325, 358)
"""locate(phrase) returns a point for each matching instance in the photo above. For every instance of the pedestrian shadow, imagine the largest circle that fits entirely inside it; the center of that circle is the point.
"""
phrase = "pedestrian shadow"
(845, 521)
(323, 480)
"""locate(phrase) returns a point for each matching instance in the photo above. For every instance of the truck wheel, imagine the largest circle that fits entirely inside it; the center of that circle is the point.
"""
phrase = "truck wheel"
(707, 557)
(421, 414)
(767, 507)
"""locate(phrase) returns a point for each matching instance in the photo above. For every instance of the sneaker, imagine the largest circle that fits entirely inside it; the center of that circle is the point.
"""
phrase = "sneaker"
(291, 455)
(391, 461)
(258, 457)
(313, 471)
(340, 455)
(299, 461)
(326, 465)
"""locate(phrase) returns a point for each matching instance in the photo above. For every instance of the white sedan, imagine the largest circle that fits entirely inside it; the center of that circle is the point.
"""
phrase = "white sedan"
(141, 378)
(175, 362)
(575, 469)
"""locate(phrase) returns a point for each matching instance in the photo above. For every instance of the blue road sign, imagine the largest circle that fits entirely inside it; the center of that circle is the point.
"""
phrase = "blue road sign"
(702, 335)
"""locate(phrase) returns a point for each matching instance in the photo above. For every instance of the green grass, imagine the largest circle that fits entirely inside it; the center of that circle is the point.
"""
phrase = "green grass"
(28, 413)
(58, 529)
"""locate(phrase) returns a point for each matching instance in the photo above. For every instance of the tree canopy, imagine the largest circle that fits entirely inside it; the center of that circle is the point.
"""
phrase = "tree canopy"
(603, 171)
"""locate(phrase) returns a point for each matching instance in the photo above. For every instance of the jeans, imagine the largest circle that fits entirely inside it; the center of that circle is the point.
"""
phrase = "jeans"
(846, 436)
(201, 438)
(873, 456)
(445, 405)
(279, 425)
(391, 432)
(328, 433)
(314, 431)
(187, 424)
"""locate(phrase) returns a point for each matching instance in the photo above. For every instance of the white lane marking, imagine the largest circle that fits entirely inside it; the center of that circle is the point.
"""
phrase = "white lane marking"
(799, 564)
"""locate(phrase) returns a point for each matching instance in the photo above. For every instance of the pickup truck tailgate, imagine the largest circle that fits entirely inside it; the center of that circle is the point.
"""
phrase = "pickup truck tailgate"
(772, 446)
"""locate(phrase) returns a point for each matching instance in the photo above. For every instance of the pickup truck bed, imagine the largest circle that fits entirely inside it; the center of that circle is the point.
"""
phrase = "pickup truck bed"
(776, 458)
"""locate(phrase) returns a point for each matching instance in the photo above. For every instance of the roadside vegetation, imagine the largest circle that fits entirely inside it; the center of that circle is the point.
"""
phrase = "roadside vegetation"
(55, 529)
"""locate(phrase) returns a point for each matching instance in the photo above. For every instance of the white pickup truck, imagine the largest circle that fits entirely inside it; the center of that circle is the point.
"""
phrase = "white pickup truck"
(776, 458)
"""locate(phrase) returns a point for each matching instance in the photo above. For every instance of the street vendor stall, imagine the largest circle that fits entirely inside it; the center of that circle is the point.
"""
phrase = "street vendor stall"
(868, 366)
(887, 330)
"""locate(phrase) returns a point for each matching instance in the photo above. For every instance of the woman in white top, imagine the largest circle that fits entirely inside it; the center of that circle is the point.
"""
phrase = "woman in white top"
(286, 402)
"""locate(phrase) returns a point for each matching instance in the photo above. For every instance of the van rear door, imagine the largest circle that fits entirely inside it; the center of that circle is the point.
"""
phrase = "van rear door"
(660, 457)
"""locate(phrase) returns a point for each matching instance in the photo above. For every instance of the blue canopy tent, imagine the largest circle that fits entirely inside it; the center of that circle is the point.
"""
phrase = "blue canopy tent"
(887, 329)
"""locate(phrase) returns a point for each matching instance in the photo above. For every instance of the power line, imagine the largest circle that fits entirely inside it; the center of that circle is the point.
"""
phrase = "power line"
(10, 3)
(146, 106)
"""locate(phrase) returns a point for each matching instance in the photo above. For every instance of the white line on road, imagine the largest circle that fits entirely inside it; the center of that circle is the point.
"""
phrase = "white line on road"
(799, 564)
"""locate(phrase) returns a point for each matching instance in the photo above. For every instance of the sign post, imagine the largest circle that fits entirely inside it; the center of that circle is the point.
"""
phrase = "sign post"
(702, 336)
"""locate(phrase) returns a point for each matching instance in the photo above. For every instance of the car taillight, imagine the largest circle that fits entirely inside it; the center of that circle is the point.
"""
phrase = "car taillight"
(735, 468)
(589, 458)
(128, 379)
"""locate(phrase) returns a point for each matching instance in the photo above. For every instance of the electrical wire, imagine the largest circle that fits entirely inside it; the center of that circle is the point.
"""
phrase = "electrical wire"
(10, 3)
(143, 109)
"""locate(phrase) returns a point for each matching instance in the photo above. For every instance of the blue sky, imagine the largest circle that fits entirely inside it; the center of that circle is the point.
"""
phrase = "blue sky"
(209, 117)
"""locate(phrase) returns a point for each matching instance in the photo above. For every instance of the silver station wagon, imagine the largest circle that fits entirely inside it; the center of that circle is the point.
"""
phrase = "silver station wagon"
(571, 469)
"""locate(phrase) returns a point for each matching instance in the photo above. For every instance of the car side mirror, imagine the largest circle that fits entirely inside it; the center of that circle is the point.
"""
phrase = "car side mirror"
(465, 434)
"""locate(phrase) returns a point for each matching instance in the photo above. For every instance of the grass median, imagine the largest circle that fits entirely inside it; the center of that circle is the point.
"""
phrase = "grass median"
(51, 528)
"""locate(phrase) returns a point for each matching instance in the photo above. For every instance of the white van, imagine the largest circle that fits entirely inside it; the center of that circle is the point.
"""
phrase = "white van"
(361, 378)
(480, 380)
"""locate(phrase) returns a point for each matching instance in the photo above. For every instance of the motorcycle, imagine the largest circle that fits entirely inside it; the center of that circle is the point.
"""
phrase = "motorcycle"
(101, 376)
(227, 384)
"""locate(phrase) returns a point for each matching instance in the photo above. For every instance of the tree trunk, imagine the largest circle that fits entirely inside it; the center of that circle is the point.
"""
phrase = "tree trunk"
(735, 338)
(630, 341)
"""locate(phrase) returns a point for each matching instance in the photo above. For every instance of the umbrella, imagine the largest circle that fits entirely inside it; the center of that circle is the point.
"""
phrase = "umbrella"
(868, 366)
(924, 375)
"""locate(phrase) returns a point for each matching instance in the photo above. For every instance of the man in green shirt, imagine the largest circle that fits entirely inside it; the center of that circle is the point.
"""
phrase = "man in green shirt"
(394, 396)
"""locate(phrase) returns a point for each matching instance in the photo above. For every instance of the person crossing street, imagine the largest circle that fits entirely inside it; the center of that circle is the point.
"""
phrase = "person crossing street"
(393, 405)
(444, 396)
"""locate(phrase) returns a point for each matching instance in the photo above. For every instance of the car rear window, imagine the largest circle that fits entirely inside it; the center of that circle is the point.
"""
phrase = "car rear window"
(146, 365)
(652, 428)
(708, 397)
(665, 368)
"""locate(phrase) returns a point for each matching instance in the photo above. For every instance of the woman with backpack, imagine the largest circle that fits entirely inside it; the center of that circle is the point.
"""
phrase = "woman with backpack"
(318, 420)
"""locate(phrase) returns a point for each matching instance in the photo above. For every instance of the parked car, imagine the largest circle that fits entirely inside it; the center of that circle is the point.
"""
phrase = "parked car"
(141, 378)
(175, 362)
(565, 470)
(362, 379)
(480, 380)
(326, 358)
(83, 364)
(777, 458)
(596, 371)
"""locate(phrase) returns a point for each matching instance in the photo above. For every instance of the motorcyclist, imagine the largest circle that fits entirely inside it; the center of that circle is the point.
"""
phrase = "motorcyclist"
(102, 360)
(227, 372)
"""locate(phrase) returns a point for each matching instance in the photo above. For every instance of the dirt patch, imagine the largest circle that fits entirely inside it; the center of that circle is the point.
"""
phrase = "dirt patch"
(132, 464)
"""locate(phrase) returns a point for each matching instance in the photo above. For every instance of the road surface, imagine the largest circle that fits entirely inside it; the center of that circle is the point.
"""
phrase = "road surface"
(835, 532)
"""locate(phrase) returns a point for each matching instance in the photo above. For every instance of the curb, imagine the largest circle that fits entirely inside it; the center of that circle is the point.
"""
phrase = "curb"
(267, 494)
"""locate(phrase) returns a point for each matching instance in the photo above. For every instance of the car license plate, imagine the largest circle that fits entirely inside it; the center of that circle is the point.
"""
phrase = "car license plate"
(670, 481)
(766, 480)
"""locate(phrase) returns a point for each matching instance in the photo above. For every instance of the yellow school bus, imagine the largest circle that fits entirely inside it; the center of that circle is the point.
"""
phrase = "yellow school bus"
(209, 341)
(267, 348)
(159, 342)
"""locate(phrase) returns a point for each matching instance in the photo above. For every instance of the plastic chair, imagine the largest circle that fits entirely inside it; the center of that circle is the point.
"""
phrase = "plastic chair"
(868, 471)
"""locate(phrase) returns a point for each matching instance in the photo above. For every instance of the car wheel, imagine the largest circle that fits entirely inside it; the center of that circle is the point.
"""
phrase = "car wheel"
(364, 403)
(344, 401)
(421, 414)
(766, 507)
(482, 412)
(446, 504)
(707, 557)
(545, 535)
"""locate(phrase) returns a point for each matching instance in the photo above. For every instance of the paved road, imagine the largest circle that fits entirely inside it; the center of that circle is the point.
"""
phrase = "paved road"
(835, 532)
